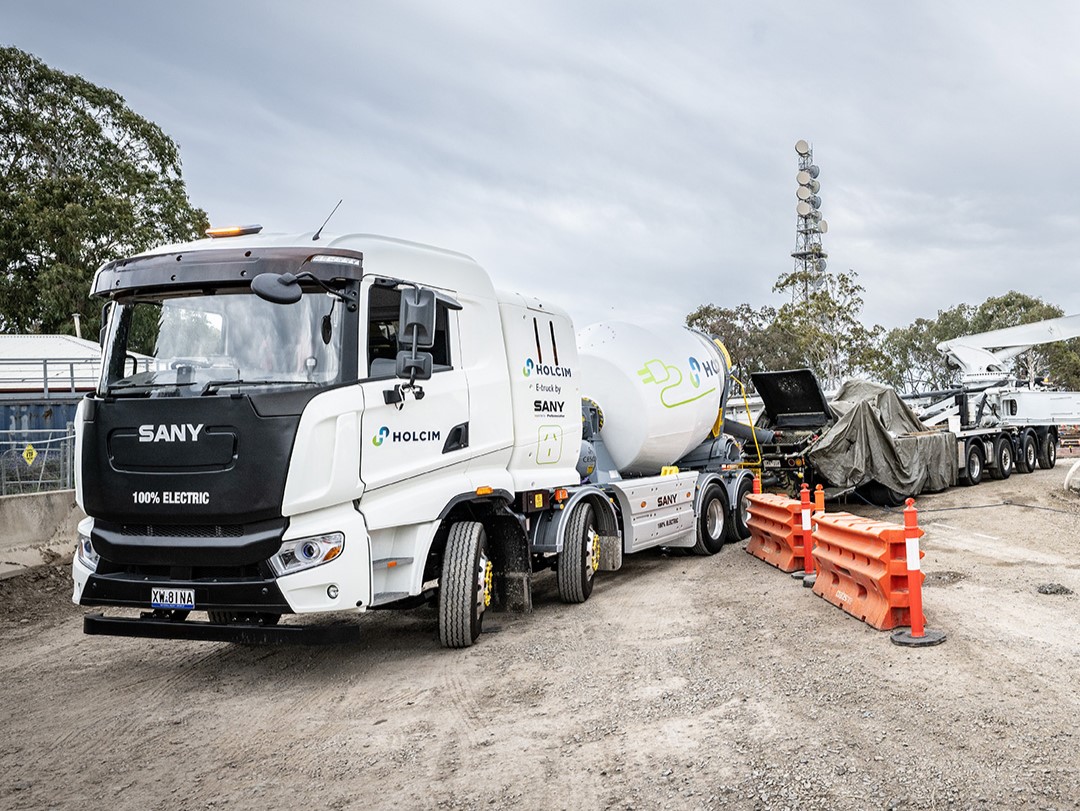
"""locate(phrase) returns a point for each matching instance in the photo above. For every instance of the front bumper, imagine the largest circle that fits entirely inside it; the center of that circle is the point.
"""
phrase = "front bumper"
(248, 634)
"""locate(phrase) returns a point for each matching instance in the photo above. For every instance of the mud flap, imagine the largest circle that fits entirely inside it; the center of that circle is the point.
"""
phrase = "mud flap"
(611, 553)
(512, 586)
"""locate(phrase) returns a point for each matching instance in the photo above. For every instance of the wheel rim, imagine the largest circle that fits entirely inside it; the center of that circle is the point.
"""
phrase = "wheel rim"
(744, 508)
(592, 552)
(714, 519)
(1029, 454)
(1051, 451)
(974, 466)
(1005, 460)
(484, 577)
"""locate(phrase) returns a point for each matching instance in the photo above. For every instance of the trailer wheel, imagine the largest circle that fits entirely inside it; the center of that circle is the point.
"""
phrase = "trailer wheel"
(1048, 451)
(576, 566)
(1029, 454)
(464, 585)
(1003, 458)
(711, 521)
(739, 526)
(973, 468)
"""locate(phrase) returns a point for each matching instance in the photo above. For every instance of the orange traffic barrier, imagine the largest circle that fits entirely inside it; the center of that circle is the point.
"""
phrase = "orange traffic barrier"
(862, 568)
(776, 531)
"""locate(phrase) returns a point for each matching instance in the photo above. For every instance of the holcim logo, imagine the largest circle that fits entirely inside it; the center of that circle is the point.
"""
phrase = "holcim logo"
(710, 367)
(545, 370)
(385, 435)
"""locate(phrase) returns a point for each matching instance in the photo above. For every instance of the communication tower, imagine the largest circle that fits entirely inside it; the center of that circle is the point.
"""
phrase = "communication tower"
(809, 255)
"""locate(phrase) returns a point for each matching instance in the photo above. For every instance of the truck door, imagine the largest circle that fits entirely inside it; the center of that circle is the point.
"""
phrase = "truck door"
(421, 435)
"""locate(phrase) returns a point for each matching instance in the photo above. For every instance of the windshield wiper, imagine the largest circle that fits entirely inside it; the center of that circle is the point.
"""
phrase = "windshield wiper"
(214, 385)
(112, 387)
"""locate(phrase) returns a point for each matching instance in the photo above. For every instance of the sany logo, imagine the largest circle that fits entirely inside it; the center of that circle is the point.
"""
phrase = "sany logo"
(380, 437)
(169, 433)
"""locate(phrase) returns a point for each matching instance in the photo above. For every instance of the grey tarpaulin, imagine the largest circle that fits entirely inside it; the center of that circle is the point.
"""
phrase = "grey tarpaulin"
(877, 437)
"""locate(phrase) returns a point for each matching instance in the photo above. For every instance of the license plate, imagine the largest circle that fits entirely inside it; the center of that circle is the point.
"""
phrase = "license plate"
(172, 598)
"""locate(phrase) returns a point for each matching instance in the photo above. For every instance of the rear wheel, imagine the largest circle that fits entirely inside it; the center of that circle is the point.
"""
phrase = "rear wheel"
(1048, 451)
(1003, 459)
(464, 585)
(1029, 454)
(739, 526)
(973, 467)
(580, 557)
(712, 521)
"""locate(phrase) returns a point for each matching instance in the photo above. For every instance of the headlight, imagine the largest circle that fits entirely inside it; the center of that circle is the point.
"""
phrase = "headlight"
(303, 553)
(85, 550)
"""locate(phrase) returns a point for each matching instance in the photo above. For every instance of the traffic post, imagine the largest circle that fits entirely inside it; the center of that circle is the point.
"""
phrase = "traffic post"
(917, 635)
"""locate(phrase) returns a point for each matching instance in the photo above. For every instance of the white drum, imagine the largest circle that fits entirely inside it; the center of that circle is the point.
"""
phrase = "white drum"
(660, 392)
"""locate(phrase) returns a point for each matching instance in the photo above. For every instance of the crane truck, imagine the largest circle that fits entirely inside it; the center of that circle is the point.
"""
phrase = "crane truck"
(1002, 424)
(306, 424)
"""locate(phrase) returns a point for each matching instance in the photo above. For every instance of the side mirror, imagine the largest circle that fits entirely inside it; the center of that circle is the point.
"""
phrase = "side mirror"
(413, 365)
(416, 318)
(277, 289)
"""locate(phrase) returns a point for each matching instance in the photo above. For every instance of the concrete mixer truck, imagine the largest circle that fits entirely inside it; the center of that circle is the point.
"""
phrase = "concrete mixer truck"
(308, 424)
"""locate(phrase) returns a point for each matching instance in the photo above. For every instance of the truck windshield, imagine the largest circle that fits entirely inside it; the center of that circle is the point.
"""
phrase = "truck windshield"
(192, 346)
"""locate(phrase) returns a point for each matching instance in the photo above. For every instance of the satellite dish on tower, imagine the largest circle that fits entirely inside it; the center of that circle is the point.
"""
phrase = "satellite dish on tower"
(803, 208)
(815, 187)
(802, 147)
(823, 227)
(803, 193)
(820, 264)
(804, 178)
(815, 201)
(813, 170)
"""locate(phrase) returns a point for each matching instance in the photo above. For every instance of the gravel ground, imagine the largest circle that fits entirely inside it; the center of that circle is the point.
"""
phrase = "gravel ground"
(682, 683)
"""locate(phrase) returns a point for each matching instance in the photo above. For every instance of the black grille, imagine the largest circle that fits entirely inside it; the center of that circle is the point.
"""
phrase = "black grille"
(182, 530)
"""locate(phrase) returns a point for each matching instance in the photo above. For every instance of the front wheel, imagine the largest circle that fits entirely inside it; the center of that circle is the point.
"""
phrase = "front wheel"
(464, 585)
(576, 566)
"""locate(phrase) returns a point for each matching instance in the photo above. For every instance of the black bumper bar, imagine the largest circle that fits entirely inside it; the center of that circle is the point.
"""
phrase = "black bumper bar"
(150, 627)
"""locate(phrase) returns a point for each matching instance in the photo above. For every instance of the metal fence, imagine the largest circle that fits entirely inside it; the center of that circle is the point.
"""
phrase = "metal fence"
(37, 460)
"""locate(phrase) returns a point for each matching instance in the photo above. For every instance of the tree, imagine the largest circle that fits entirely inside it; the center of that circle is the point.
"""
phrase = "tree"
(83, 180)
(911, 362)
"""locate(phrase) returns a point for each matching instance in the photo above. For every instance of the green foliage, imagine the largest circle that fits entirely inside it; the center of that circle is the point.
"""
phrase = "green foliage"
(83, 180)
(820, 328)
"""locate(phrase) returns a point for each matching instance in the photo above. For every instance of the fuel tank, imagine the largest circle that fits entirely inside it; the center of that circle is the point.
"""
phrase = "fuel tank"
(660, 391)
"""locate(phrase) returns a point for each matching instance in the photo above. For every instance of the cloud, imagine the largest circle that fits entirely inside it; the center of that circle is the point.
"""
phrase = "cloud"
(623, 158)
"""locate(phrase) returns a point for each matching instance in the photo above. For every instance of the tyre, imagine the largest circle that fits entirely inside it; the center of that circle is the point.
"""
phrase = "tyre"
(712, 521)
(1003, 458)
(1048, 451)
(973, 467)
(881, 495)
(1029, 454)
(464, 585)
(739, 525)
(576, 567)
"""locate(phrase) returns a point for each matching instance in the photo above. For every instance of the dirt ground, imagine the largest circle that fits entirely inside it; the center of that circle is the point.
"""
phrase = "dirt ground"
(682, 683)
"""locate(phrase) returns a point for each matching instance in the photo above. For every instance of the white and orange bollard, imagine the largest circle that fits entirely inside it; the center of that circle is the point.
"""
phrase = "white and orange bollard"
(810, 577)
(807, 534)
(917, 636)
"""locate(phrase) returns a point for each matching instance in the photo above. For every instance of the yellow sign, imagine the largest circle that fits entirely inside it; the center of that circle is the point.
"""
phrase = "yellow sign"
(29, 454)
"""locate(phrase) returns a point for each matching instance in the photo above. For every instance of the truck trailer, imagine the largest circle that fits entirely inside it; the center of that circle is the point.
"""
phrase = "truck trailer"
(306, 424)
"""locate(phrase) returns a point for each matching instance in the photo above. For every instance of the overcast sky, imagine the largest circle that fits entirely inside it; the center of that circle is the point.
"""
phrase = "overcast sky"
(623, 159)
